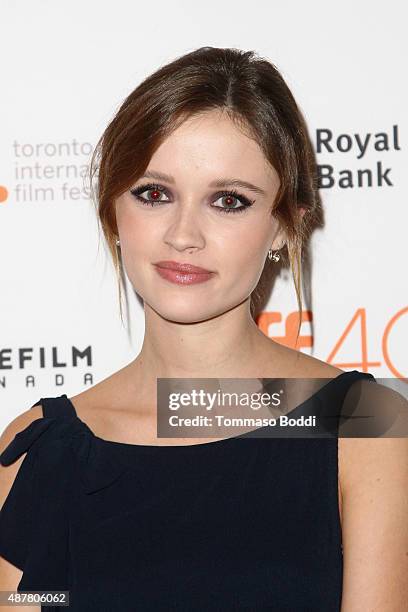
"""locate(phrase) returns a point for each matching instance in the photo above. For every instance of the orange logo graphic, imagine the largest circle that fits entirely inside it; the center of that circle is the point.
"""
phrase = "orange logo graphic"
(358, 323)
(3, 193)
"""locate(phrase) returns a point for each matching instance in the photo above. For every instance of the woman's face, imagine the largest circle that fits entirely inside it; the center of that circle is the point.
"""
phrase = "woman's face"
(185, 223)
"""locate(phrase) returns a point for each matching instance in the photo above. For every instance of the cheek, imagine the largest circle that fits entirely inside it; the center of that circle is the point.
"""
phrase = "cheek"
(241, 257)
(244, 247)
(138, 240)
(139, 233)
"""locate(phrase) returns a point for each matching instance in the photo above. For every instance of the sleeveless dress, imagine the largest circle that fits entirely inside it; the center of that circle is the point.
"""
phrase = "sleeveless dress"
(242, 523)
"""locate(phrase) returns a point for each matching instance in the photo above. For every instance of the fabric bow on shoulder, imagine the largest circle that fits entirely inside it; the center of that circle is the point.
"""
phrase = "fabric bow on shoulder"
(96, 465)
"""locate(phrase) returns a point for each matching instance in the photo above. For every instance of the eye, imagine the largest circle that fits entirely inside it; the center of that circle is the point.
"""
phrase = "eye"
(156, 191)
(230, 205)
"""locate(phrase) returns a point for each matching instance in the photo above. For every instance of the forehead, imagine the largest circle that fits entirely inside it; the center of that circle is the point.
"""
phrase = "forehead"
(212, 143)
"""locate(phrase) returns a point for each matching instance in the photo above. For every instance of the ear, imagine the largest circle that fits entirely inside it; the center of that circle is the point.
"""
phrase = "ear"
(280, 239)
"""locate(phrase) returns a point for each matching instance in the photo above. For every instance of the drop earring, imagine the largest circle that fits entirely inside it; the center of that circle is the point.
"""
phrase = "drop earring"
(274, 256)
(117, 242)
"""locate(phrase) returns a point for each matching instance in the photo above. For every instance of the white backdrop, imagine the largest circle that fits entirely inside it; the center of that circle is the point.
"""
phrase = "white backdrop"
(67, 66)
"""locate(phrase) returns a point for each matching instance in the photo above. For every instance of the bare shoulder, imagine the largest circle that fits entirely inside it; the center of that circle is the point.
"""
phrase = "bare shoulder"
(295, 364)
(106, 394)
(311, 367)
(358, 455)
(103, 396)
(106, 408)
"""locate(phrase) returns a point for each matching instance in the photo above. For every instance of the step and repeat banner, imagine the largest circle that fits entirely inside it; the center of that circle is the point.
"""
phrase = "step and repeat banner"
(66, 68)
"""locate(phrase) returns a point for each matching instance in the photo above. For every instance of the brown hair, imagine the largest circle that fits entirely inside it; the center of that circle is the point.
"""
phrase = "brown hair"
(253, 93)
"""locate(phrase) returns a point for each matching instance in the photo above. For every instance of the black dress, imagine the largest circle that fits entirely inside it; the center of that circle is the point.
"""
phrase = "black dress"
(240, 523)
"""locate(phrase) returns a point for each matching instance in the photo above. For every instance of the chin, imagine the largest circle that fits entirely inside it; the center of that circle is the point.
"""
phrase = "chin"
(190, 311)
(183, 315)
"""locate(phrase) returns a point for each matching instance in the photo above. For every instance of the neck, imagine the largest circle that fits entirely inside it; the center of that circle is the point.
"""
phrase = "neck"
(227, 346)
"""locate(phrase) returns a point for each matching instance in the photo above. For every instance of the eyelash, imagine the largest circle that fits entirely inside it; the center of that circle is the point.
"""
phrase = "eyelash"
(246, 203)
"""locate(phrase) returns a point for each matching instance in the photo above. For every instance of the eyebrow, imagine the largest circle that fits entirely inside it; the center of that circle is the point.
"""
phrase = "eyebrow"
(221, 182)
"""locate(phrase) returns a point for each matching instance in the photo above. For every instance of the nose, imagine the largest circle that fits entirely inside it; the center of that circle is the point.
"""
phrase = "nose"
(184, 230)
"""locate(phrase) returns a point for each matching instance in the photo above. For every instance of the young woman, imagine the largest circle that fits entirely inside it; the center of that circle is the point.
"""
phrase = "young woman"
(205, 177)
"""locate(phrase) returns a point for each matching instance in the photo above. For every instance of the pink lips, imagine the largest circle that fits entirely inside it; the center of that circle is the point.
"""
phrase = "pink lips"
(182, 274)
